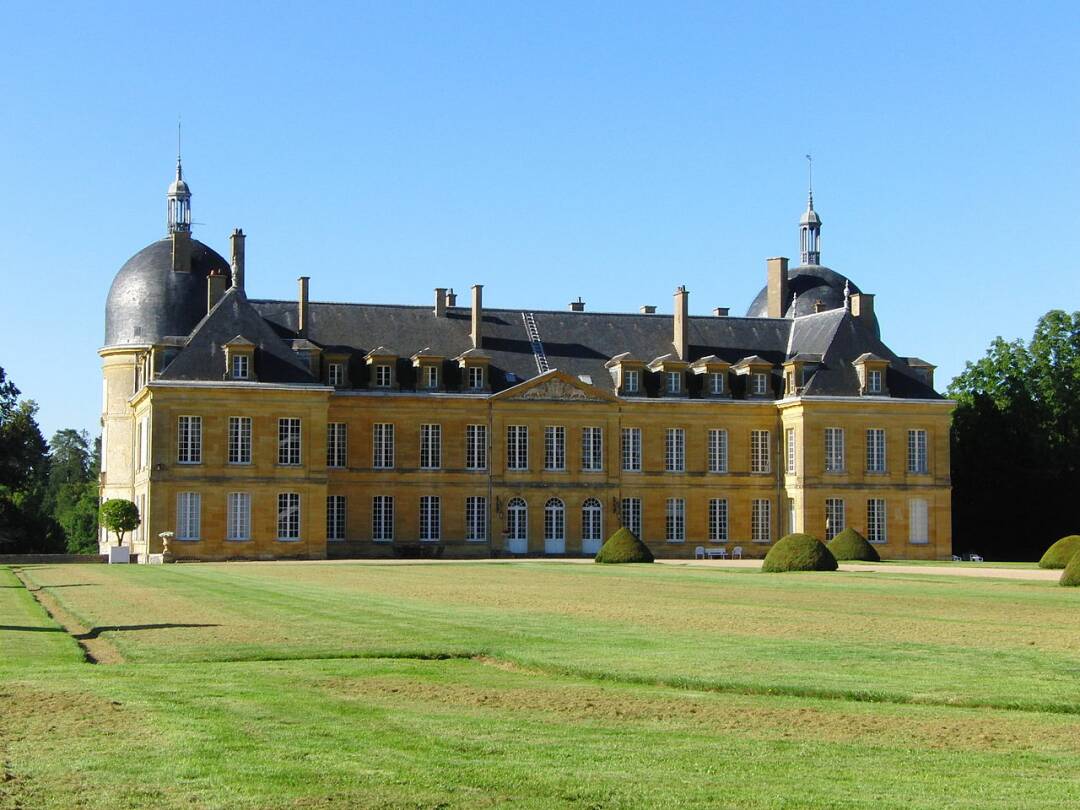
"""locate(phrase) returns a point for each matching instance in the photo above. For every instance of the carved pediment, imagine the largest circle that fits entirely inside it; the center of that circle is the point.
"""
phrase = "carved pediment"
(558, 390)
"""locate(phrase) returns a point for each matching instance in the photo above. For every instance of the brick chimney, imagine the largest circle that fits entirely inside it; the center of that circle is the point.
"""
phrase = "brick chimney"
(237, 240)
(721, 312)
(648, 309)
(577, 306)
(440, 302)
(302, 310)
(451, 298)
(777, 286)
(681, 322)
(215, 288)
(477, 314)
(862, 305)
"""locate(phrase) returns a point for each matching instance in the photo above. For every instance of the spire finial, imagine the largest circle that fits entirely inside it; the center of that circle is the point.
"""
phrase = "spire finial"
(810, 183)
(179, 196)
(847, 295)
(810, 224)
(179, 170)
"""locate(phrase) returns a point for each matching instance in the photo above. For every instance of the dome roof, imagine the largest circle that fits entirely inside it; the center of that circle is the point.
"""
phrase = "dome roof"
(809, 283)
(810, 217)
(179, 187)
(148, 300)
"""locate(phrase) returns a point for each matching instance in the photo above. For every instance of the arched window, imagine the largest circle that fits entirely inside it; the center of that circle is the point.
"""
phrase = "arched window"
(554, 520)
(591, 517)
(517, 520)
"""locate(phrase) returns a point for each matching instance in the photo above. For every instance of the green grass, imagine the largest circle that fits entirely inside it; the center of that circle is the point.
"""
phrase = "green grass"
(537, 685)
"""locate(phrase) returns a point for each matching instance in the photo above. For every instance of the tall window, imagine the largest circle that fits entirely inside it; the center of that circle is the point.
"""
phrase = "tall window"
(144, 442)
(759, 451)
(517, 447)
(875, 450)
(188, 513)
(476, 377)
(631, 515)
(335, 517)
(675, 523)
(916, 452)
(288, 441)
(873, 382)
(790, 435)
(759, 384)
(675, 450)
(430, 517)
(631, 381)
(876, 520)
(238, 517)
(431, 377)
(476, 447)
(288, 516)
(718, 451)
(382, 445)
(674, 382)
(919, 521)
(382, 518)
(382, 376)
(189, 440)
(336, 445)
(476, 519)
(554, 520)
(554, 447)
(716, 382)
(761, 520)
(591, 520)
(631, 449)
(718, 520)
(239, 439)
(517, 520)
(240, 366)
(430, 447)
(592, 449)
(335, 374)
(834, 517)
(834, 449)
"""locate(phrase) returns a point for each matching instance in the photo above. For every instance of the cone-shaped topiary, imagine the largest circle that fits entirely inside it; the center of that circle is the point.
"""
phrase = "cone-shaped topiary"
(1059, 554)
(1071, 574)
(850, 545)
(799, 552)
(624, 547)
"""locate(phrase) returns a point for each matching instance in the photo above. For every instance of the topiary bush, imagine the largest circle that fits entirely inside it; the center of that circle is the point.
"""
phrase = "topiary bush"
(799, 552)
(850, 545)
(624, 547)
(1059, 554)
(1071, 575)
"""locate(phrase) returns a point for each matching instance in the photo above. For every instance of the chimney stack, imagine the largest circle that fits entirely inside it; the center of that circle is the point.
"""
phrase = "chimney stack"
(237, 240)
(451, 298)
(862, 305)
(302, 312)
(777, 286)
(681, 318)
(181, 251)
(477, 314)
(440, 302)
(819, 306)
(648, 309)
(721, 312)
(577, 306)
(215, 288)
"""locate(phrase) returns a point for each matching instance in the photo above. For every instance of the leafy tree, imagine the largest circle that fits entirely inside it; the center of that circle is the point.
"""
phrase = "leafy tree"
(1016, 441)
(72, 494)
(120, 517)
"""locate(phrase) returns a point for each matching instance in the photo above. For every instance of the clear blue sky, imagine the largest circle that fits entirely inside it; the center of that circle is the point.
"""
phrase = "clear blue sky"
(547, 150)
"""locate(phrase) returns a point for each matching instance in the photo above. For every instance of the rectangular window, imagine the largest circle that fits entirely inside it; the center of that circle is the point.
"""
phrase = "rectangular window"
(430, 517)
(875, 450)
(430, 447)
(834, 449)
(631, 515)
(790, 434)
(476, 377)
(188, 515)
(834, 517)
(716, 382)
(674, 382)
(916, 452)
(144, 442)
(288, 516)
(592, 449)
(383, 376)
(676, 520)
(238, 518)
(431, 377)
(919, 521)
(631, 449)
(288, 441)
(873, 382)
(675, 450)
(761, 520)
(476, 519)
(759, 451)
(718, 520)
(382, 518)
(337, 446)
(382, 445)
(554, 447)
(335, 517)
(876, 520)
(240, 366)
(631, 381)
(239, 439)
(759, 384)
(189, 440)
(517, 447)
(476, 447)
(718, 451)
(335, 374)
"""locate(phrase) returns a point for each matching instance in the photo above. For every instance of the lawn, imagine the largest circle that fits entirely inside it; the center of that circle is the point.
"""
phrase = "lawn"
(535, 684)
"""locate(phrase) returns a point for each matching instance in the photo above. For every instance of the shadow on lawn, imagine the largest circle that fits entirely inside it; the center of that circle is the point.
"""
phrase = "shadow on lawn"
(94, 632)
(31, 629)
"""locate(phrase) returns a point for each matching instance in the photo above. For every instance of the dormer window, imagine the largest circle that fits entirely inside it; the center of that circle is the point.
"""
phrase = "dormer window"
(759, 384)
(383, 376)
(431, 377)
(476, 377)
(473, 364)
(871, 371)
(713, 372)
(240, 366)
(873, 381)
(758, 373)
(335, 374)
(631, 381)
(671, 370)
(674, 382)
(239, 359)
(716, 383)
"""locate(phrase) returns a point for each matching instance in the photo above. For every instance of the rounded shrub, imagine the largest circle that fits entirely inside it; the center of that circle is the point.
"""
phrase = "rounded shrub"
(850, 545)
(799, 552)
(624, 547)
(1059, 554)
(1071, 575)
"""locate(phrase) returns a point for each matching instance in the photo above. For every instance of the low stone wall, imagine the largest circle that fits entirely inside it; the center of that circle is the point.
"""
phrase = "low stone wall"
(45, 559)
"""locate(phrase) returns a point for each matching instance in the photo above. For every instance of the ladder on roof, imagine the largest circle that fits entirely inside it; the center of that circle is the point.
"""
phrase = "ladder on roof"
(534, 340)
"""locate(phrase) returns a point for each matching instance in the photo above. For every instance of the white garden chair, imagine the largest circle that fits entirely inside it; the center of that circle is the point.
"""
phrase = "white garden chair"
(976, 558)
(699, 553)
(736, 553)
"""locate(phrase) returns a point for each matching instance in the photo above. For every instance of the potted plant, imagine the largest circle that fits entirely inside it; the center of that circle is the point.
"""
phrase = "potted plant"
(119, 517)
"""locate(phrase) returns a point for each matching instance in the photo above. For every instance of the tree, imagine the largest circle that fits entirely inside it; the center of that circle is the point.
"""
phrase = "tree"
(72, 493)
(120, 517)
(1015, 443)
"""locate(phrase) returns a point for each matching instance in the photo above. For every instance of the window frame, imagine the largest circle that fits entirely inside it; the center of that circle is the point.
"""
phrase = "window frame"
(760, 452)
(476, 519)
(382, 445)
(631, 514)
(675, 450)
(877, 521)
(382, 518)
(238, 520)
(189, 516)
(517, 447)
(288, 516)
(876, 450)
(675, 520)
(290, 441)
(592, 449)
(918, 451)
(835, 517)
(189, 435)
(430, 519)
(718, 520)
(554, 448)
(631, 449)
(431, 446)
(240, 443)
(336, 518)
(337, 445)
(476, 447)
(761, 514)
(834, 450)
(717, 444)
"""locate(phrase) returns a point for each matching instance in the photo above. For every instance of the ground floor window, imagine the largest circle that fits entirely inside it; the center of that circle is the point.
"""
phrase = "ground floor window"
(718, 520)
(335, 517)
(834, 517)
(554, 520)
(238, 516)
(476, 519)
(288, 519)
(675, 523)
(761, 520)
(919, 521)
(591, 520)
(631, 515)
(188, 515)
(382, 518)
(875, 520)
(430, 517)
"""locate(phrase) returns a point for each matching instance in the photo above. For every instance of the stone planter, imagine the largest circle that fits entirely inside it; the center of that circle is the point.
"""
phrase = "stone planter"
(119, 555)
